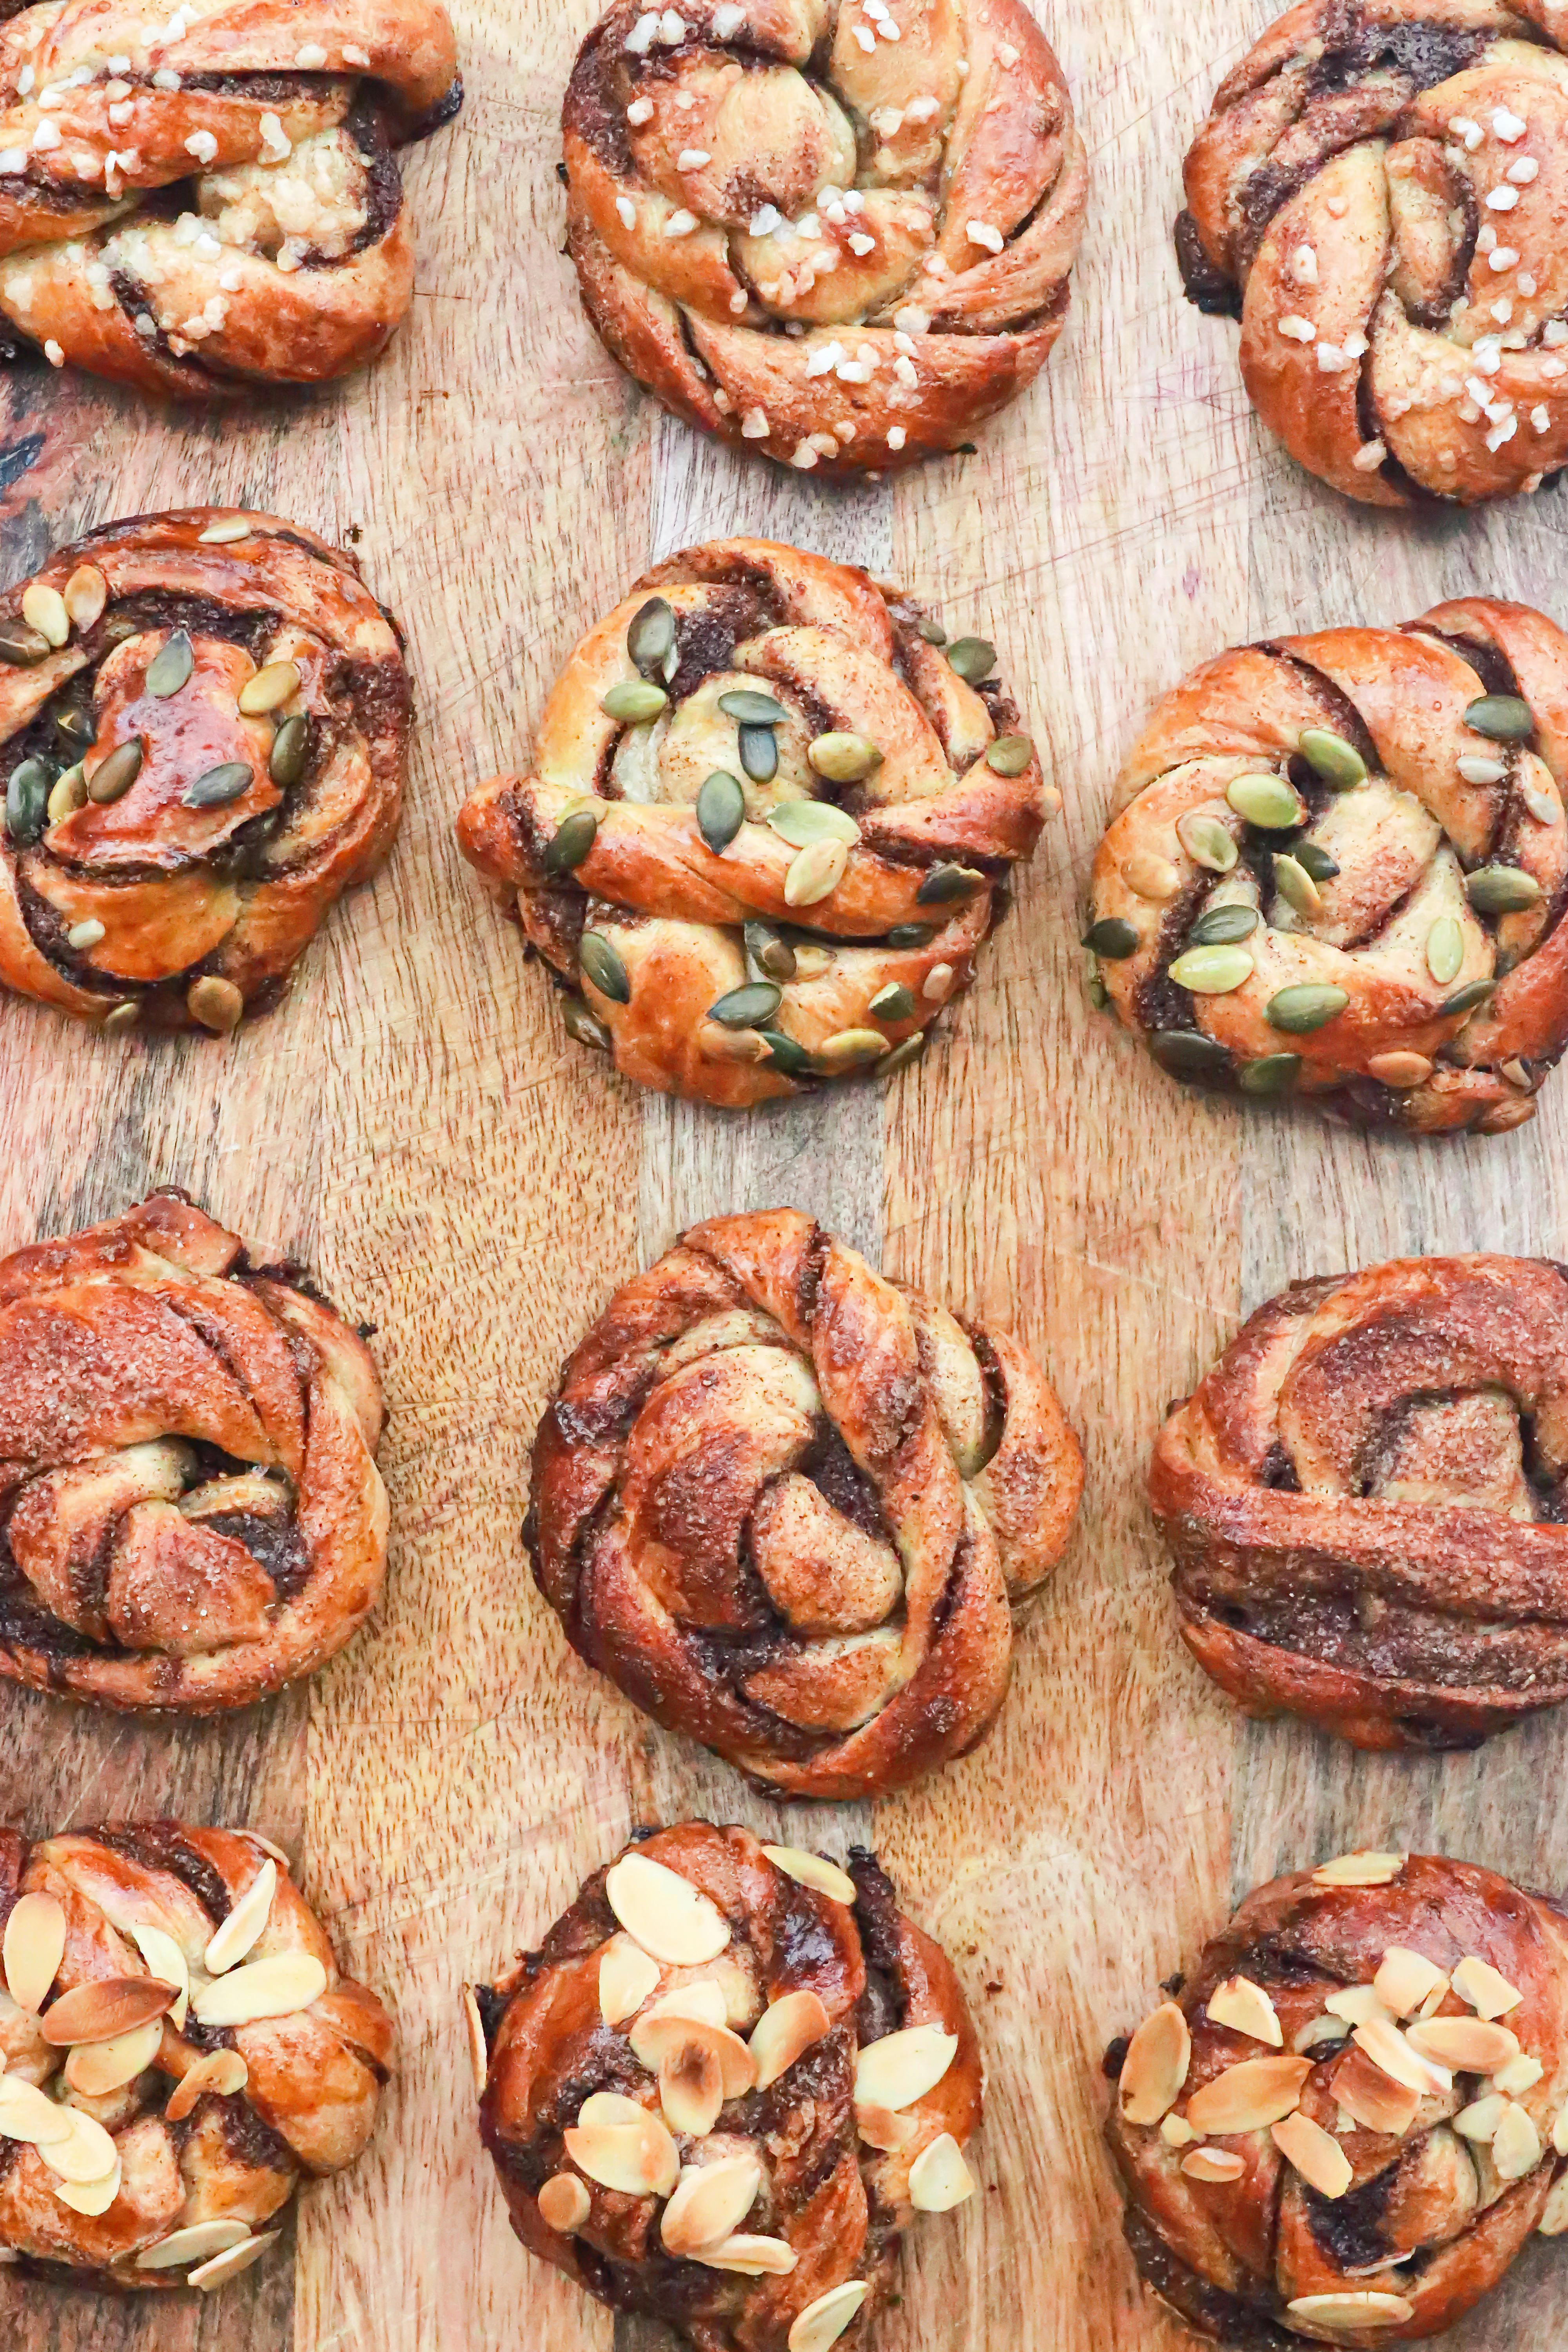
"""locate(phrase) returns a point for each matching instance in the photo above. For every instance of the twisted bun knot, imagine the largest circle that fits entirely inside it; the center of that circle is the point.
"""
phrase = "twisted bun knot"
(1340, 870)
(1352, 2118)
(179, 2048)
(285, 257)
(727, 2080)
(1382, 191)
(204, 719)
(789, 1507)
(836, 235)
(1364, 1497)
(767, 824)
(190, 1511)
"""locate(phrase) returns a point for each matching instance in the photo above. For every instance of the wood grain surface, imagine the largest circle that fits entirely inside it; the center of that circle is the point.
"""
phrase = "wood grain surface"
(415, 1124)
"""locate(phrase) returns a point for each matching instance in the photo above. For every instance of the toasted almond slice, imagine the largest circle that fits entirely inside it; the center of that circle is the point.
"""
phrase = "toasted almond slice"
(1400, 2061)
(278, 1986)
(662, 2039)
(1315, 2155)
(1516, 2144)
(103, 2009)
(223, 532)
(752, 2257)
(709, 2204)
(478, 2048)
(1249, 2097)
(224, 2266)
(610, 2107)
(785, 2033)
(639, 2159)
(1559, 2133)
(1358, 2005)
(1520, 2074)
(813, 1870)
(1245, 2008)
(1360, 1869)
(1487, 1993)
(90, 2197)
(168, 1964)
(701, 2000)
(34, 1948)
(1434, 1998)
(1177, 2132)
(1215, 2165)
(86, 594)
(96, 2068)
(222, 2072)
(938, 2177)
(902, 2067)
(879, 2127)
(691, 2089)
(663, 1912)
(821, 2322)
(1466, 2045)
(198, 2243)
(1318, 2031)
(1357, 2311)
(627, 1979)
(1372, 2099)
(1405, 1981)
(85, 2154)
(1155, 2066)
(1480, 2119)
(1553, 2219)
(241, 1929)
(564, 2204)
(27, 2115)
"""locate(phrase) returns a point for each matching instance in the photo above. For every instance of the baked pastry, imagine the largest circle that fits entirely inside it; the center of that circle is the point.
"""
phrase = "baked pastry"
(209, 203)
(203, 725)
(179, 2049)
(790, 1508)
(1365, 1499)
(190, 1511)
(1340, 869)
(1347, 2125)
(770, 813)
(840, 235)
(1375, 195)
(730, 2078)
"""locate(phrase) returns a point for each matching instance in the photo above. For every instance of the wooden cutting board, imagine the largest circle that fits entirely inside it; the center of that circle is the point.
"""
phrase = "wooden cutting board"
(415, 1125)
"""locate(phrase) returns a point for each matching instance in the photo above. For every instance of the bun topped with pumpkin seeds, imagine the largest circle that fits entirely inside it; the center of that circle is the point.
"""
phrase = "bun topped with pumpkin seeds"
(770, 815)
(203, 727)
(1349, 2122)
(179, 2049)
(790, 1508)
(730, 2078)
(1339, 870)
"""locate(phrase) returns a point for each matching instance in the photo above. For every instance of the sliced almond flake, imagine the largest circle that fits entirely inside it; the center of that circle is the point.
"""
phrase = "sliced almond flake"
(198, 2243)
(1372, 2099)
(1487, 1993)
(670, 1917)
(103, 2009)
(34, 1948)
(1245, 2008)
(709, 2204)
(1520, 2074)
(1315, 2155)
(702, 2002)
(1155, 2067)
(1391, 2051)
(27, 2115)
(751, 2257)
(1559, 2133)
(1249, 2097)
(880, 2128)
(1358, 2005)
(240, 1931)
(813, 1870)
(224, 2266)
(92, 2197)
(226, 532)
(785, 2033)
(167, 1963)
(1214, 2165)
(1466, 2045)
(902, 2067)
(1516, 2144)
(478, 2048)
(1318, 2031)
(224, 2073)
(1177, 2132)
(627, 1979)
(1553, 2218)
(1405, 1981)
(1480, 2119)
(637, 2158)
(87, 2153)
(280, 1986)
(94, 2069)
(564, 2204)
(939, 2177)
(1369, 2310)
(1362, 1869)
(821, 2322)
(659, 2039)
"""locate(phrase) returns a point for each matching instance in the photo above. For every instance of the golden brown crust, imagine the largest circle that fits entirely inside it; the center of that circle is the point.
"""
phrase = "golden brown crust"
(1431, 2215)
(789, 1507)
(1365, 1499)
(831, 2201)
(1383, 192)
(190, 1511)
(1432, 937)
(289, 260)
(308, 2074)
(852, 970)
(160, 907)
(841, 239)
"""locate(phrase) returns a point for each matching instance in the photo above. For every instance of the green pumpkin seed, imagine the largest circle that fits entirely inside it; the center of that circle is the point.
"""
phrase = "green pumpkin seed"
(1501, 890)
(759, 753)
(1315, 861)
(26, 801)
(752, 708)
(1297, 887)
(911, 934)
(83, 936)
(721, 809)
(1445, 950)
(1113, 938)
(69, 794)
(851, 1046)
(634, 702)
(1269, 802)
(603, 968)
(170, 668)
(1010, 755)
(1276, 1074)
(1222, 927)
(943, 884)
(931, 631)
(1339, 763)
(768, 954)
(1208, 844)
(217, 1004)
(800, 822)
(113, 778)
(1310, 1006)
(569, 845)
(651, 637)
(1186, 1055)
(1213, 971)
(23, 647)
(1097, 992)
(972, 659)
(584, 1026)
(120, 1017)
(894, 1003)
(787, 1055)
(1501, 718)
(902, 1056)
(219, 785)
(1465, 1000)
(75, 726)
(748, 1007)
(844, 759)
(291, 751)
